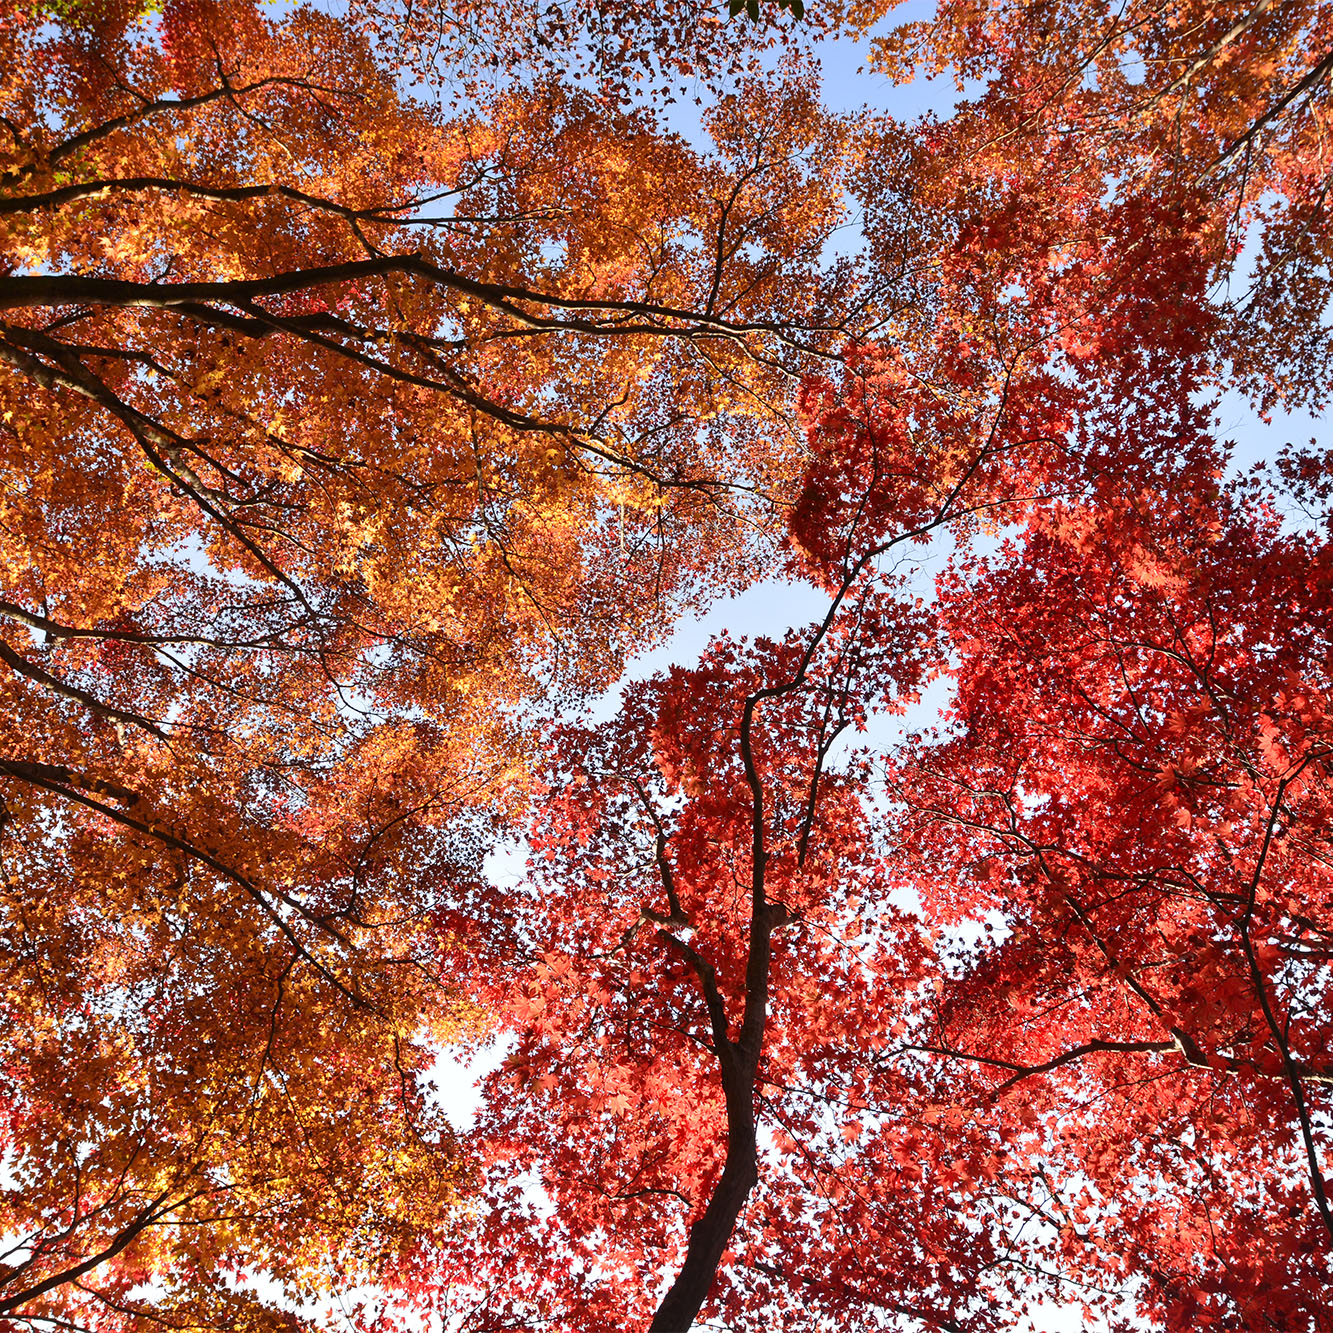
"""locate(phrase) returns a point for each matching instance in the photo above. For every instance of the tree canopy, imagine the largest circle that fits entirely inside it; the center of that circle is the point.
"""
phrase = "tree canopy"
(375, 382)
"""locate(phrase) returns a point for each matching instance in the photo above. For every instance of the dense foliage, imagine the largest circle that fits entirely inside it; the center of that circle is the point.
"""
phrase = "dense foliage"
(375, 381)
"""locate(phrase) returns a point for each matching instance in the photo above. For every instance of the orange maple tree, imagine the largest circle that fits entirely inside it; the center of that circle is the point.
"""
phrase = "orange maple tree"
(337, 426)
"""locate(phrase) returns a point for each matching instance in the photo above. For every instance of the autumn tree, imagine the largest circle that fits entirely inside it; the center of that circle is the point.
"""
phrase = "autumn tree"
(1090, 1063)
(715, 974)
(338, 426)
(1185, 128)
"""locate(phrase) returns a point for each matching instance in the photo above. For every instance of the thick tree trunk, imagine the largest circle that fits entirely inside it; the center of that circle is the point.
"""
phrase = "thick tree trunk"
(739, 1061)
(710, 1234)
